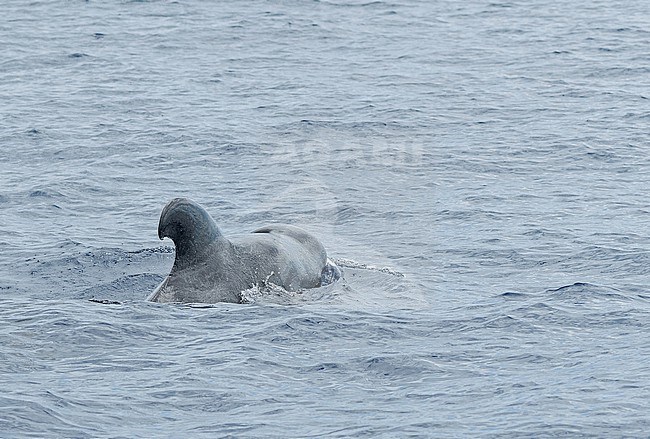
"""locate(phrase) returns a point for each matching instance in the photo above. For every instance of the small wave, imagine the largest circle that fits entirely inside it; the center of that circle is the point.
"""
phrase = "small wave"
(587, 289)
(513, 295)
(106, 301)
(349, 263)
(132, 286)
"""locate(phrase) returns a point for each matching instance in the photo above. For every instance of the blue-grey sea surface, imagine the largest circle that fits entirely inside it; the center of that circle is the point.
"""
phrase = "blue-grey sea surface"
(480, 169)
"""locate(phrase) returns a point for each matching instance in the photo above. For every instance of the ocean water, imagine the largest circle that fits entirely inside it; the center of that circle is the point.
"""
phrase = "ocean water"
(480, 170)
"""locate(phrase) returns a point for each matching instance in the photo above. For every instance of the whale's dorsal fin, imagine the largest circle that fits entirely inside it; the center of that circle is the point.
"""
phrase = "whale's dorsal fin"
(287, 230)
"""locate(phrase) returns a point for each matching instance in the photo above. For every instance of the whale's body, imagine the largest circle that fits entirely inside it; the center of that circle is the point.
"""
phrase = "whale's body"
(210, 268)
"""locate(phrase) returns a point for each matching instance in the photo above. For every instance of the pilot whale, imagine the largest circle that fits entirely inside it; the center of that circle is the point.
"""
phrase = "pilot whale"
(210, 267)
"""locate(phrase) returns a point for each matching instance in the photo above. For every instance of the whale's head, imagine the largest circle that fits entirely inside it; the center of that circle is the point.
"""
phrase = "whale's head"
(189, 225)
